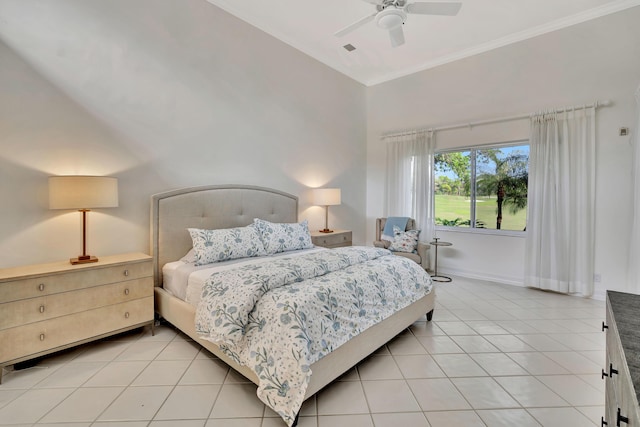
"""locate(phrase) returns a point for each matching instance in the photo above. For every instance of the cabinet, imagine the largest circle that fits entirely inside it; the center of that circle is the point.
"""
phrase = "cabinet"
(622, 372)
(49, 307)
(337, 239)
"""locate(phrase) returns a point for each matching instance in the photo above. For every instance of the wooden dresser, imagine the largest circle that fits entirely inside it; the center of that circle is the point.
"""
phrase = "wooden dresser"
(622, 372)
(49, 307)
(337, 239)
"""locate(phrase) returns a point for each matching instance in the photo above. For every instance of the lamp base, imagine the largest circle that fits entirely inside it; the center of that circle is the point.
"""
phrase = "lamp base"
(325, 230)
(83, 259)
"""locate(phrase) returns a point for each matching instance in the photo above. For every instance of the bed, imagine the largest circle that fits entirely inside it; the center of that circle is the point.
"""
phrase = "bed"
(232, 206)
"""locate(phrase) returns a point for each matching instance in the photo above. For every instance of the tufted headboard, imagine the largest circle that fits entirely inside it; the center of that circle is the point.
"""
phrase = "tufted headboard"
(210, 207)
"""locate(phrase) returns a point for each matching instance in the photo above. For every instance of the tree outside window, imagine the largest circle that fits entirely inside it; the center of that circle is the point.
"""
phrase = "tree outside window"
(482, 187)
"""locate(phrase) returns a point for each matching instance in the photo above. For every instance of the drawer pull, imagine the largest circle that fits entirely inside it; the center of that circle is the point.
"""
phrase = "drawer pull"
(126, 315)
(42, 308)
(610, 373)
(603, 422)
(41, 337)
(41, 287)
(126, 273)
(126, 291)
(604, 326)
(620, 419)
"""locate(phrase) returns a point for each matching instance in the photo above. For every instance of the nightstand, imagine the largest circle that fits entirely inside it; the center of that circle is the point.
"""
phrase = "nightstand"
(337, 239)
(49, 307)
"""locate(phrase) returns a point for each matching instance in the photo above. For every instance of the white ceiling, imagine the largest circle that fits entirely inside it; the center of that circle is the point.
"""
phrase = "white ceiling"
(481, 25)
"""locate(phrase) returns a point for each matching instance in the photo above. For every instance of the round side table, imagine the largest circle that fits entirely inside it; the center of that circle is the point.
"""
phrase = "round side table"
(437, 277)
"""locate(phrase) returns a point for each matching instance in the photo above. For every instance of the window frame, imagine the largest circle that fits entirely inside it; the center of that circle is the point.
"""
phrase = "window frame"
(472, 214)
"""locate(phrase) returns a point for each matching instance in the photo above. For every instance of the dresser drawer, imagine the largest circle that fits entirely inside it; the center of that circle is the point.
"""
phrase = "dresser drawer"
(44, 336)
(332, 240)
(63, 282)
(32, 310)
(627, 402)
(610, 401)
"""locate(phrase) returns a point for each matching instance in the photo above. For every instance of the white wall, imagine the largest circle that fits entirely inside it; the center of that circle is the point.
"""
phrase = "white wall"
(161, 94)
(597, 60)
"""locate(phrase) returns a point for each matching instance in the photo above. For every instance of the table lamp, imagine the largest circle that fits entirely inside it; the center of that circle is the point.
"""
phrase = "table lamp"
(83, 193)
(326, 197)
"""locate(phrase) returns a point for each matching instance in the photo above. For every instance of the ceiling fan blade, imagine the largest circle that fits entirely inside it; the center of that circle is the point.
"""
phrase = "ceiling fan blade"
(355, 25)
(397, 36)
(434, 8)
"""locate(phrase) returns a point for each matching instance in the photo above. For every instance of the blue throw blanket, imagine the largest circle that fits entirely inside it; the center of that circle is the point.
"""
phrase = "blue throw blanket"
(398, 221)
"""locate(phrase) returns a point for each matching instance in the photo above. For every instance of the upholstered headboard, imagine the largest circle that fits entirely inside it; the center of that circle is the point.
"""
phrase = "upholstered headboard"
(210, 207)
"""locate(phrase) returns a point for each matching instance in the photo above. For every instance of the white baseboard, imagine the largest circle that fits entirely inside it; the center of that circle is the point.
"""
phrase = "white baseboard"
(482, 276)
(599, 292)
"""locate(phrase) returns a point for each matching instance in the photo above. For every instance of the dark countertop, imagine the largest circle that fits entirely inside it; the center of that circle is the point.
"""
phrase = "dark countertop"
(626, 311)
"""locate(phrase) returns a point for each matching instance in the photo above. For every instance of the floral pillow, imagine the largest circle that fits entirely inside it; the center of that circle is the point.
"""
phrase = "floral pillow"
(404, 241)
(225, 244)
(282, 237)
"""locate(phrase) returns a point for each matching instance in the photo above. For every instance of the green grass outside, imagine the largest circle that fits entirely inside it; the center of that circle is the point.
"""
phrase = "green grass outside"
(452, 207)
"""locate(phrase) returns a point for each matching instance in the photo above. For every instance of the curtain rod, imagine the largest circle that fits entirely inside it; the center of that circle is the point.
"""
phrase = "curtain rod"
(470, 125)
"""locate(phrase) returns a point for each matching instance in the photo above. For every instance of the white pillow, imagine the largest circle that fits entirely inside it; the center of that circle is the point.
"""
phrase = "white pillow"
(190, 257)
(225, 244)
(282, 237)
(404, 241)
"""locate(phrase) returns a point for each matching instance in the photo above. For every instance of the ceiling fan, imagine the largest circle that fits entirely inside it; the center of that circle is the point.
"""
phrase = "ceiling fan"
(390, 15)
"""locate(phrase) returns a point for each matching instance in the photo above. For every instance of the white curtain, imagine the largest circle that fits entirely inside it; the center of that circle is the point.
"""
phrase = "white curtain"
(409, 184)
(559, 249)
(633, 280)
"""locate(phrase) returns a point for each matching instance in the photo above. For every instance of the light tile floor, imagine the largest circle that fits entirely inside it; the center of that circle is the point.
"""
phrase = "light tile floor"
(494, 355)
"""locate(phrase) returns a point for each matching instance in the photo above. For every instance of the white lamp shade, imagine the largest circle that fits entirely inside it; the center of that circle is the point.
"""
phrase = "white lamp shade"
(82, 192)
(326, 196)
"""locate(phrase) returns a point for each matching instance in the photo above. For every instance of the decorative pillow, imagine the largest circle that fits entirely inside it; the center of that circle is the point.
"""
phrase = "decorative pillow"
(404, 241)
(226, 243)
(282, 237)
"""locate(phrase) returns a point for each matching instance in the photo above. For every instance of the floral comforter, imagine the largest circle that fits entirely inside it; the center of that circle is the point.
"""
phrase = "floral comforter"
(279, 317)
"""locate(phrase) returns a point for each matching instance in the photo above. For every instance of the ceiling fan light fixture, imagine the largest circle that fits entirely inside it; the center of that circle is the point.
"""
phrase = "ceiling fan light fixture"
(390, 18)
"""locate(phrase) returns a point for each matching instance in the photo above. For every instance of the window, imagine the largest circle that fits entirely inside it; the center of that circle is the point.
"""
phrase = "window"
(482, 187)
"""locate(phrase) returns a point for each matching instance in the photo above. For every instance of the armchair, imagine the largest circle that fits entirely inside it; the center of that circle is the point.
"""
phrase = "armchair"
(422, 255)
